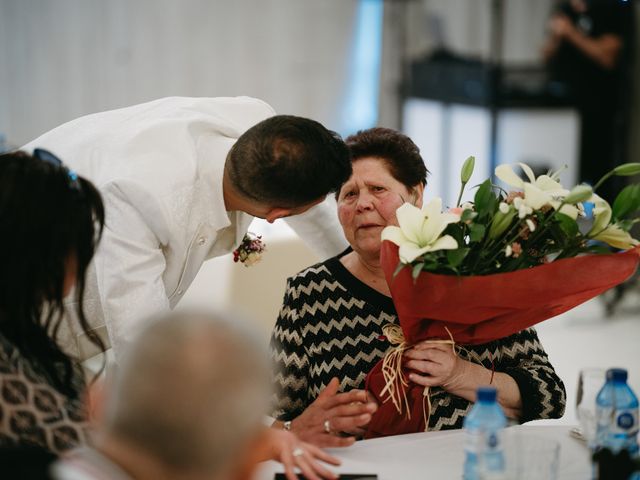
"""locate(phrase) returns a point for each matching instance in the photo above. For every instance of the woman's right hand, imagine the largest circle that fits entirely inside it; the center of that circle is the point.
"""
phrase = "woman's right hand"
(343, 413)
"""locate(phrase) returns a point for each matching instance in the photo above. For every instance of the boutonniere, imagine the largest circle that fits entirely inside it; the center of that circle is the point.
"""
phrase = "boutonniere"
(250, 250)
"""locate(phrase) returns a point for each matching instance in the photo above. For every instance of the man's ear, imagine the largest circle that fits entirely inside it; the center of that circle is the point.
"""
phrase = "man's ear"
(276, 213)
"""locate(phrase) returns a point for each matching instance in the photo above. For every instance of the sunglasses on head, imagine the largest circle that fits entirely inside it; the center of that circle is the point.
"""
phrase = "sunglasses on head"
(48, 157)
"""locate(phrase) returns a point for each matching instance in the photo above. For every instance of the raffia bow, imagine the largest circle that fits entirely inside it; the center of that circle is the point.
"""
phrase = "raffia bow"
(395, 379)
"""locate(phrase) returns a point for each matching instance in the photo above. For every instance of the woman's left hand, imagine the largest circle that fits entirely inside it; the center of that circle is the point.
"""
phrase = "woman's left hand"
(289, 450)
(434, 365)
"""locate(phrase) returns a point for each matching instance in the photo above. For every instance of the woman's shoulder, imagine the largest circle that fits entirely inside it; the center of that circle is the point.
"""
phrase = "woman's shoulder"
(317, 283)
(49, 418)
(324, 270)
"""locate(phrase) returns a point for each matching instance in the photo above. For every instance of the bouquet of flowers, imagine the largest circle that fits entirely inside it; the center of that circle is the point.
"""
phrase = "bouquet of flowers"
(490, 268)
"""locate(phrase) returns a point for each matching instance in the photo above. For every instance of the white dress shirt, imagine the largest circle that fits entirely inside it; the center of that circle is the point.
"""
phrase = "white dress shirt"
(159, 167)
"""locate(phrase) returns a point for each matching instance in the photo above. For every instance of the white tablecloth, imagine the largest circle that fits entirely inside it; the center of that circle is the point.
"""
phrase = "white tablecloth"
(439, 455)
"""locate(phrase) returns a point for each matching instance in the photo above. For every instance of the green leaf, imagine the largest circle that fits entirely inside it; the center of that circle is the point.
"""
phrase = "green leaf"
(485, 200)
(476, 232)
(417, 268)
(598, 248)
(627, 225)
(398, 268)
(468, 215)
(455, 257)
(568, 225)
(627, 202)
(627, 169)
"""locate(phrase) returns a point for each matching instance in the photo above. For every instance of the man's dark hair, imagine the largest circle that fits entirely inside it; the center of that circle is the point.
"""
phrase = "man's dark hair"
(287, 161)
(398, 151)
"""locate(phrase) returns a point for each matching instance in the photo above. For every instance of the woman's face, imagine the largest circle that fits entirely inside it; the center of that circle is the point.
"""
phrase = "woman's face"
(368, 202)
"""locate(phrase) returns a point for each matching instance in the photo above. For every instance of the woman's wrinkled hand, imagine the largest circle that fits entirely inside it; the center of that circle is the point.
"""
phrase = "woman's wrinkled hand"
(434, 365)
(334, 414)
(288, 449)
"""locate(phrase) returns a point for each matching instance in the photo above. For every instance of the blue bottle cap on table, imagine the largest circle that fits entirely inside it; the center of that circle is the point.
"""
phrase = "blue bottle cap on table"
(617, 374)
(486, 394)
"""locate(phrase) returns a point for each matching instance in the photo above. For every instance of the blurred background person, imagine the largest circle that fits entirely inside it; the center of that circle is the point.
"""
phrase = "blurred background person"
(50, 223)
(589, 49)
(187, 402)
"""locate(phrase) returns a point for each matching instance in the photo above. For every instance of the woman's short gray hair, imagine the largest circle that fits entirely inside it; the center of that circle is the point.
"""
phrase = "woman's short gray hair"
(191, 391)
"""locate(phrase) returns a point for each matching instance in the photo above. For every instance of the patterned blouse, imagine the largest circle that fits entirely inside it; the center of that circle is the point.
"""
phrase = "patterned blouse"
(331, 325)
(34, 412)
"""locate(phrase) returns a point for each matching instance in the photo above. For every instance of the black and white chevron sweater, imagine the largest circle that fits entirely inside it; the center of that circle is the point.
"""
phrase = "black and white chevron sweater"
(330, 325)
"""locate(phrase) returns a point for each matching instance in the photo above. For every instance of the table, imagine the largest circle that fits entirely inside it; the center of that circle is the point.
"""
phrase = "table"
(440, 455)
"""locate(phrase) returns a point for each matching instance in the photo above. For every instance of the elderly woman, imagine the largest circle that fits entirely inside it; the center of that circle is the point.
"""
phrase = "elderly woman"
(330, 325)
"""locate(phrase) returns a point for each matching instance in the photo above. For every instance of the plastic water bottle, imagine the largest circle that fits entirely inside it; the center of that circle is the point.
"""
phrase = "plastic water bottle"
(617, 414)
(484, 449)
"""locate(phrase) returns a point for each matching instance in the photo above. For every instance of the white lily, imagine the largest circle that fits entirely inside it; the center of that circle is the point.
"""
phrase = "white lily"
(545, 183)
(538, 192)
(602, 230)
(420, 230)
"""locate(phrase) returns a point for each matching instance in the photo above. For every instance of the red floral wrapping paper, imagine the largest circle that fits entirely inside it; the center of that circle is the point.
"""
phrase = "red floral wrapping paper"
(480, 309)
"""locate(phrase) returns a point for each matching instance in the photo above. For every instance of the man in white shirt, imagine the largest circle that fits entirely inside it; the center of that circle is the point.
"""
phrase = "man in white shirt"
(181, 179)
(186, 403)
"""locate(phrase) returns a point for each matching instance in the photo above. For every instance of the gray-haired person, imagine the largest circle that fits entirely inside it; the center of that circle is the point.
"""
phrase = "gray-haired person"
(187, 402)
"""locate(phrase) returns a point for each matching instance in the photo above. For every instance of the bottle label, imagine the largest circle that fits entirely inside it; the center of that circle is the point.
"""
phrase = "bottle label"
(488, 441)
(618, 429)
(493, 441)
(627, 420)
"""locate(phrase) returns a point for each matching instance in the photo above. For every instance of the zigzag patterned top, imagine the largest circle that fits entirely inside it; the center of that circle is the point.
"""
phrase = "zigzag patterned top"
(331, 323)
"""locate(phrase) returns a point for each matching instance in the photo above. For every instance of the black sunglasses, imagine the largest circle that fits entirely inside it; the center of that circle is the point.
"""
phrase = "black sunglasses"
(48, 157)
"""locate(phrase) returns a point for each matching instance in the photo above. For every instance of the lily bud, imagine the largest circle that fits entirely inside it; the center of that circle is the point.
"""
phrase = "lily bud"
(579, 193)
(500, 223)
(627, 169)
(467, 169)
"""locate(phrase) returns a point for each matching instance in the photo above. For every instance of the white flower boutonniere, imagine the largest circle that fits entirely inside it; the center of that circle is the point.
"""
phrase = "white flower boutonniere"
(250, 250)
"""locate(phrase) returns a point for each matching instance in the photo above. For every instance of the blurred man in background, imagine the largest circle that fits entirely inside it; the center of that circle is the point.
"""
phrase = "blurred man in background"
(589, 50)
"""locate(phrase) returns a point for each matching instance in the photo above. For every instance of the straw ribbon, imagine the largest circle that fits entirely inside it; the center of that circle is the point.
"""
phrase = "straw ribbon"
(395, 379)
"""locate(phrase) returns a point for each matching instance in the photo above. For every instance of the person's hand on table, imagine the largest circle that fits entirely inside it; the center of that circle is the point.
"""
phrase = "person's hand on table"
(288, 449)
(333, 414)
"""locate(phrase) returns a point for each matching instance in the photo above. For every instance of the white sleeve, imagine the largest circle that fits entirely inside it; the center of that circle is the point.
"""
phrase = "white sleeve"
(320, 229)
(129, 268)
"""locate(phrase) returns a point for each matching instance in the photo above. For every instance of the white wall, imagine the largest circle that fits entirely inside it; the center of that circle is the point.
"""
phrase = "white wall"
(64, 58)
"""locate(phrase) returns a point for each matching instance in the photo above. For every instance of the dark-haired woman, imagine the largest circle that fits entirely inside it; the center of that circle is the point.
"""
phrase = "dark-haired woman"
(331, 321)
(50, 223)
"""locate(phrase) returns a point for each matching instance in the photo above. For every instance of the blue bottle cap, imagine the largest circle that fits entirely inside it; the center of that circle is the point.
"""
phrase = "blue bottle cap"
(617, 374)
(486, 394)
